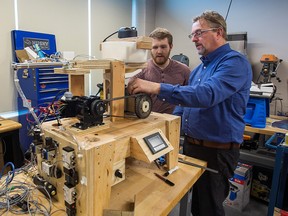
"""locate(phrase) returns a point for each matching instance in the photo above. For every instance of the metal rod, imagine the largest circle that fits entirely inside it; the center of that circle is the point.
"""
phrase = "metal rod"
(36, 65)
(196, 165)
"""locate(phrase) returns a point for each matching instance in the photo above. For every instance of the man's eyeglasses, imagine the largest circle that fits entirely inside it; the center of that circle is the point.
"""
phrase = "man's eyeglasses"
(199, 33)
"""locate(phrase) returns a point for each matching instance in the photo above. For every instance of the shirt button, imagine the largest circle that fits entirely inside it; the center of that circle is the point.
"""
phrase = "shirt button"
(186, 120)
(204, 67)
(163, 99)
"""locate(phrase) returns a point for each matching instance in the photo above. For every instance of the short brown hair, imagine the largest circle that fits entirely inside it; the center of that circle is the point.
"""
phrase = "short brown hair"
(162, 33)
(214, 19)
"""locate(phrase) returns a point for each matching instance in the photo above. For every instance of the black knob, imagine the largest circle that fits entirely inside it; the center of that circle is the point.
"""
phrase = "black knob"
(118, 173)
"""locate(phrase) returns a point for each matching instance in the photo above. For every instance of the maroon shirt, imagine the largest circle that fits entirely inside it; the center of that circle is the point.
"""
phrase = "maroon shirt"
(175, 73)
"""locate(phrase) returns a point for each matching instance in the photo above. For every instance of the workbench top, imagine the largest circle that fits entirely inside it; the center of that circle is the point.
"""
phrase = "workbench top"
(142, 193)
(112, 146)
(269, 129)
(8, 125)
(151, 195)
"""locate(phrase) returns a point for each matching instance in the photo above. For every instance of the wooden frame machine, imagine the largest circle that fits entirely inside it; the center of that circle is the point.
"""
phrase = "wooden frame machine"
(79, 168)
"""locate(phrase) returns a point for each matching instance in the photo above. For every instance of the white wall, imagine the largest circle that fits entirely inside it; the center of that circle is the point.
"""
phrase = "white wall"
(265, 21)
(107, 17)
(68, 20)
(7, 89)
(145, 16)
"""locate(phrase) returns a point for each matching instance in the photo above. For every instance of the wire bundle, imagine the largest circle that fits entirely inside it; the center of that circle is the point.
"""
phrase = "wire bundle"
(21, 197)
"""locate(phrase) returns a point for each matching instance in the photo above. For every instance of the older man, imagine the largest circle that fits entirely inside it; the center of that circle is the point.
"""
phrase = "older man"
(212, 108)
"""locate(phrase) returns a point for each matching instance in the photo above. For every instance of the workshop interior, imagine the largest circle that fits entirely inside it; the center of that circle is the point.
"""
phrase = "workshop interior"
(73, 141)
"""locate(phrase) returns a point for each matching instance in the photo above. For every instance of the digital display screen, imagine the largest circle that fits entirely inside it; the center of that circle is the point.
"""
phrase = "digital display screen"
(155, 142)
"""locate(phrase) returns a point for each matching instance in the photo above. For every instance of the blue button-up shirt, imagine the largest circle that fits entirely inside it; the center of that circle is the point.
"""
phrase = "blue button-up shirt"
(213, 104)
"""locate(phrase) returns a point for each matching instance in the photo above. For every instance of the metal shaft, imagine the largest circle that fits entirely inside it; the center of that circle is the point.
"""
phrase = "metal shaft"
(199, 166)
(36, 65)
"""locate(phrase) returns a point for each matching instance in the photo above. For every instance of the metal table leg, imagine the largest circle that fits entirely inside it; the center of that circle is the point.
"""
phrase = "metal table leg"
(279, 179)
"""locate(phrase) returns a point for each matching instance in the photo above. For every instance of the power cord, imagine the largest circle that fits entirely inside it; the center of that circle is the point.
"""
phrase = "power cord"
(110, 35)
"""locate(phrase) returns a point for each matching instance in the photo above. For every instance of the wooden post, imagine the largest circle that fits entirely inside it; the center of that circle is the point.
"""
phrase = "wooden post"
(173, 135)
(77, 84)
(117, 89)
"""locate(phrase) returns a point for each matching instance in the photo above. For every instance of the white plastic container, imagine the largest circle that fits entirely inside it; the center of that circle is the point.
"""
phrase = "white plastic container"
(124, 51)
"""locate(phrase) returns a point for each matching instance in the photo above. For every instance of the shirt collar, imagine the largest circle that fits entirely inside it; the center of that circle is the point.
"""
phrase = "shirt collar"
(207, 59)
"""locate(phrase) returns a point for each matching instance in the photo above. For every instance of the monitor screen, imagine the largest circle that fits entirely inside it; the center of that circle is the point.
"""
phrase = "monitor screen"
(155, 142)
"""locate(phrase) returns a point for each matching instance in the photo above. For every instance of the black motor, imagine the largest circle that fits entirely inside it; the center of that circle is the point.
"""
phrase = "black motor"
(89, 110)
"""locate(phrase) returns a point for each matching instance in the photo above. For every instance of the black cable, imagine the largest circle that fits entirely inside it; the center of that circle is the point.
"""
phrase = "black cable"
(228, 10)
(100, 86)
(110, 35)
(52, 102)
(273, 93)
(58, 93)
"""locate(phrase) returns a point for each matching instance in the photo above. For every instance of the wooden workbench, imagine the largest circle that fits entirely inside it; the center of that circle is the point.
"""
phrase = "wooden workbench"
(9, 141)
(151, 195)
(268, 130)
(142, 193)
(8, 125)
(112, 146)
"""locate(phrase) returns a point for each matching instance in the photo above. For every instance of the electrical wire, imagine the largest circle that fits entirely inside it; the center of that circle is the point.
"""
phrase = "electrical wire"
(80, 145)
(35, 201)
(273, 93)
(14, 193)
(26, 103)
(51, 107)
(275, 106)
(19, 197)
(9, 178)
(6, 195)
(110, 35)
(86, 56)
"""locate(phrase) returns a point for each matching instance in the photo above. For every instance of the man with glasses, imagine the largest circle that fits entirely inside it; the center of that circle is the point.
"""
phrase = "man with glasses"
(212, 108)
(162, 69)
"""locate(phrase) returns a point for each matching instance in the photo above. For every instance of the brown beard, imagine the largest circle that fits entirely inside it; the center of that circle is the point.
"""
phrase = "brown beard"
(161, 62)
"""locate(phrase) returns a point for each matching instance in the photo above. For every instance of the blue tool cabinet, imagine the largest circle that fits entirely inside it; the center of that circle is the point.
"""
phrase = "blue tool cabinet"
(40, 85)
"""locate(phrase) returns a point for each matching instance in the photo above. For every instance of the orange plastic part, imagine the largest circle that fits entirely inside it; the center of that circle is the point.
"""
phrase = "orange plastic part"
(268, 58)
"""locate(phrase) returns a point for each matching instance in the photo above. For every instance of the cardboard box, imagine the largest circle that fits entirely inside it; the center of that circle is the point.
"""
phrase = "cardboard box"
(22, 55)
(26, 55)
(240, 185)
